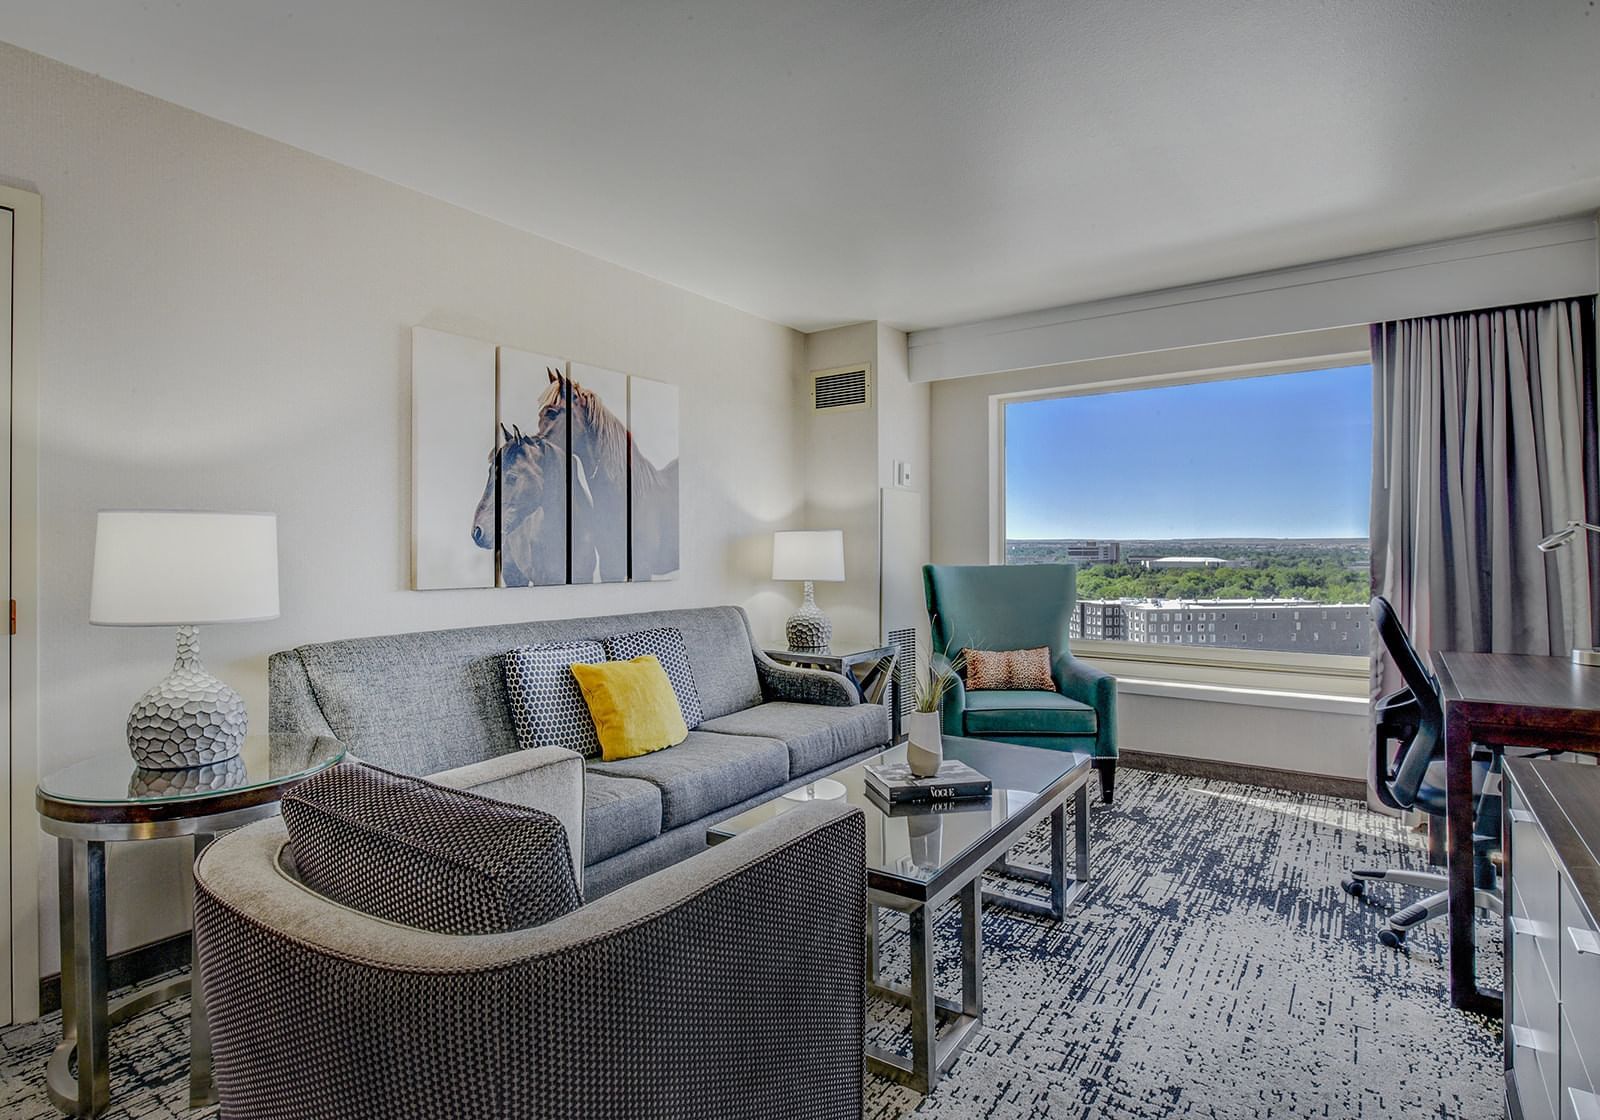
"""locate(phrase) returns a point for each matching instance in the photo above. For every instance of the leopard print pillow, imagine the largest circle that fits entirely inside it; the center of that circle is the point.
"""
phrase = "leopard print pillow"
(1010, 668)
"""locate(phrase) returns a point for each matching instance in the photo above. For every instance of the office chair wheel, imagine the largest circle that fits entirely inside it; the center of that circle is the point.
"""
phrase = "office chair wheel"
(1394, 938)
(1355, 888)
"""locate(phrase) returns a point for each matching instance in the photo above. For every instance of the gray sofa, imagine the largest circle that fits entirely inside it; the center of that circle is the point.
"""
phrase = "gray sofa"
(434, 704)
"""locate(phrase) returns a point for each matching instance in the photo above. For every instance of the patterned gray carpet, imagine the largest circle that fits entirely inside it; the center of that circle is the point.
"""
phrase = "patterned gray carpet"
(1215, 970)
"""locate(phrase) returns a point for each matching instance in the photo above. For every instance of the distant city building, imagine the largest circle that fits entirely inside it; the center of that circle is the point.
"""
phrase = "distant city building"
(1150, 563)
(1099, 620)
(1292, 625)
(1055, 552)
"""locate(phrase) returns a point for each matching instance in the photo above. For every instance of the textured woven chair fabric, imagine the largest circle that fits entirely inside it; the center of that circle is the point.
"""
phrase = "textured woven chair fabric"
(729, 985)
(439, 859)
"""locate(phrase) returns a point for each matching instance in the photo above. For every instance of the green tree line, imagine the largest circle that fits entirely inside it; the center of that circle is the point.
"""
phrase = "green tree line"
(1322, 581)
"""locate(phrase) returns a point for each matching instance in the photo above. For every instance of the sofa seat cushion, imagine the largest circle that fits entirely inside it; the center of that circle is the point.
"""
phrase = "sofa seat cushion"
(817, 736)
(1018, 712)
(426, 856)
(704, 773)
(618, 814)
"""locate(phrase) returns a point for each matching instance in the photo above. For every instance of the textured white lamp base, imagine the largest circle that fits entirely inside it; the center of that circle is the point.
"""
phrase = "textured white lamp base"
(809, 630)
(190, 718)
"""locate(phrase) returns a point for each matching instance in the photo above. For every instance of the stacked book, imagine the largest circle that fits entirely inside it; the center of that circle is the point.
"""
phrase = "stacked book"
(895, 784)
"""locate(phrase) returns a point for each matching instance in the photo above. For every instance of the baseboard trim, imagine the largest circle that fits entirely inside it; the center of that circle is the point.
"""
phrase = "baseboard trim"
(1295, 781)
(132, 966)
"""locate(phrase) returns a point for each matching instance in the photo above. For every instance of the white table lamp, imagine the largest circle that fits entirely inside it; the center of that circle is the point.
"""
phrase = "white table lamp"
(1583, 655)
(809, 555)
(184, 568)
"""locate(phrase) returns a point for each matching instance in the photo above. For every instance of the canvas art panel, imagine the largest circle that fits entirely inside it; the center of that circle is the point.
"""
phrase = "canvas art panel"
(597, 434)
(452, 440)
(527, 485)
(653, 478)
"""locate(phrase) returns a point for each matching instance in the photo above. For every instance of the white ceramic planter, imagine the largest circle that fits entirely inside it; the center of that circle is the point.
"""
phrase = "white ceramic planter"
(924, 743)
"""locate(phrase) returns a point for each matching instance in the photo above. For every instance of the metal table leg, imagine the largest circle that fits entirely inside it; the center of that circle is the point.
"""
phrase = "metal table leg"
(201, 1090)
(1064, 889)
(931, 1055)
(85, 1024)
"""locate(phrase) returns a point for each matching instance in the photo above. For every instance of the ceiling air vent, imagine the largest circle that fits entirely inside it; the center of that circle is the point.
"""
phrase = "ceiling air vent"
(846, 389)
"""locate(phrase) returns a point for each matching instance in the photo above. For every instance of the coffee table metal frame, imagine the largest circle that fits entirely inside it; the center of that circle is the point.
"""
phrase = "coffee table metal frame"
(932, 1055)
(962, 881)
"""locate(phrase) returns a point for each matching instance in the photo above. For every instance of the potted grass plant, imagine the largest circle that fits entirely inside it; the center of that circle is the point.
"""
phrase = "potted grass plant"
(924, 742)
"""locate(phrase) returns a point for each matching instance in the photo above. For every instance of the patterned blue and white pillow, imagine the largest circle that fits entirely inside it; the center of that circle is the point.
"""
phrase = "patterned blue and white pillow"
(547, 707)
(666, 646)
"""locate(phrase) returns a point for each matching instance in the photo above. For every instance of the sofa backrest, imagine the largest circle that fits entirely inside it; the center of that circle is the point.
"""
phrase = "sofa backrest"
(424, 702)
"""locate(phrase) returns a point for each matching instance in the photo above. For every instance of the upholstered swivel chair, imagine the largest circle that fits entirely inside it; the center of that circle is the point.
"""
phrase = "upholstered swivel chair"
(994, 607)
(1414, 779)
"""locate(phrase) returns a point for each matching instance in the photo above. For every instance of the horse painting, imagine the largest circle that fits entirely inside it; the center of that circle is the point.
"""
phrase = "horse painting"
(527, 485)
(605, 459)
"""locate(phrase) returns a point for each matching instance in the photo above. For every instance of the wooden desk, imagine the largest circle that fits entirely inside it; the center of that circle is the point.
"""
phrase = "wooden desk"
(1502, 700)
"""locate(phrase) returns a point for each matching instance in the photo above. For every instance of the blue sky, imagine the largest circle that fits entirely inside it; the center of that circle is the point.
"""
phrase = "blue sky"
(1282, 456)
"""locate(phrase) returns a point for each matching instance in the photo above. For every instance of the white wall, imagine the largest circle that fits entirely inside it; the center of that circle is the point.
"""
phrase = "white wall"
(849, 459)
(840, 473)
(964, 505)
(227, 324)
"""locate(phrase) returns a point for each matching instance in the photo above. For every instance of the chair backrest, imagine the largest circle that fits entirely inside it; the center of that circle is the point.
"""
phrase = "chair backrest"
(992, 606)
(1426, 745)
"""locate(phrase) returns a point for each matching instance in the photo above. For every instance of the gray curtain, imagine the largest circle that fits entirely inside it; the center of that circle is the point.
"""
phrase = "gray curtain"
(1482, 435)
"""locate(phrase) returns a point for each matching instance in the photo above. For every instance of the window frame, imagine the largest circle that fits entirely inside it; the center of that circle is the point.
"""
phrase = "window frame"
(1146, 657)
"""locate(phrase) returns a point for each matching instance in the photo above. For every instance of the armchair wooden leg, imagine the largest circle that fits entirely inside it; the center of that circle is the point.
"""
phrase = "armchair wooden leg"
(1108, 777)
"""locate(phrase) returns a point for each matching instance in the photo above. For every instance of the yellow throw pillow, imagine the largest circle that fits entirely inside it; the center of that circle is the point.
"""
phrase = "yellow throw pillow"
(633, 707)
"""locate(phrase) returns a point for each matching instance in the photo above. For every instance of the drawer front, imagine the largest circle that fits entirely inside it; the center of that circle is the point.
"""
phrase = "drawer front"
(1536, 938)
(1534, 872)
(1534, 1031)
(1578, 1099)
(1580, 978)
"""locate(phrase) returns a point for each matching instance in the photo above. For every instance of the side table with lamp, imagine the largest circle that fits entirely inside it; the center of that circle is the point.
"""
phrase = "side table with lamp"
(189, 768)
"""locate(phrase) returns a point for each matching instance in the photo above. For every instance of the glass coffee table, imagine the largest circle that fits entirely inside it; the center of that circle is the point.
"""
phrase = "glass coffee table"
(920, 857)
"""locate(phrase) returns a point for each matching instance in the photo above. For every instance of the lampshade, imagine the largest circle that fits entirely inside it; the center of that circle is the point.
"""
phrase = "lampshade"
(183, 568)
(814, 554)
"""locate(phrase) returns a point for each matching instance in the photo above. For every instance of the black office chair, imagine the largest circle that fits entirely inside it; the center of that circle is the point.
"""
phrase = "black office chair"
(1414, 779)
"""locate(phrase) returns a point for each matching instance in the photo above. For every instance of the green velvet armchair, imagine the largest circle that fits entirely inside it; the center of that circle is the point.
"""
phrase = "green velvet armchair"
(982, 606)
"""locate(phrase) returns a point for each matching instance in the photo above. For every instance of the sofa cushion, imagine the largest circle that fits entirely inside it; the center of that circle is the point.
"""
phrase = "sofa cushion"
(817, 736)
(1014, 712)
(547, 707)
(986, 669)
(665, 644)
(633, 705)
(422, 855)
(618, 814)
(705, 772)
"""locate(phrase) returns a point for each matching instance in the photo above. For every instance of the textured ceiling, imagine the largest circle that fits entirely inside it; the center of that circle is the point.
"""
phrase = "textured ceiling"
(922, 162)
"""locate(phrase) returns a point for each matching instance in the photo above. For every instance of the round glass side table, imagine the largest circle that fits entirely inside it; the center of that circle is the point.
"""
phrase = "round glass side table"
(107, 799)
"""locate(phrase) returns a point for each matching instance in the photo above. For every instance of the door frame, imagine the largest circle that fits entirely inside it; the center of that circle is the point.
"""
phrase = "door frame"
(23, 874)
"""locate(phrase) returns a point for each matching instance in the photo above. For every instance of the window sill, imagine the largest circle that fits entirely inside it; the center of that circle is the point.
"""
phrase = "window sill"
(1251, 696)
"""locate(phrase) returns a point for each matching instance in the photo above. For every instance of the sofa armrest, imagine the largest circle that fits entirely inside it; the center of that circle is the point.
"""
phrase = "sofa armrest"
(547, 778)
(804, 686)
(1097, 689)
(692, 973)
